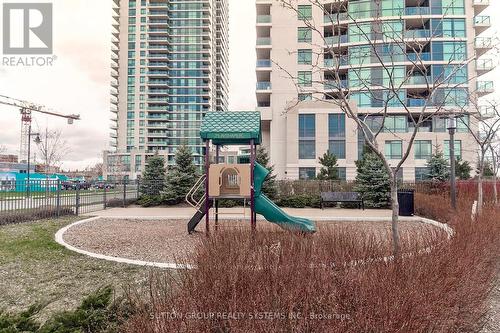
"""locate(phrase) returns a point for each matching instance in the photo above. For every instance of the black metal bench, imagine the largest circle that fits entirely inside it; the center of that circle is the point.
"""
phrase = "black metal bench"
(335, 197)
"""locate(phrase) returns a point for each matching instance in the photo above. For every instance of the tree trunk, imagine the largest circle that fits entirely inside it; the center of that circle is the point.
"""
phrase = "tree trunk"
(480, 198)
(495, 190)
(395, 216)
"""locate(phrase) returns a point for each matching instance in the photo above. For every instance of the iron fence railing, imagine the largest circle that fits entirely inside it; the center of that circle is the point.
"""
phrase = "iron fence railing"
(47, 198)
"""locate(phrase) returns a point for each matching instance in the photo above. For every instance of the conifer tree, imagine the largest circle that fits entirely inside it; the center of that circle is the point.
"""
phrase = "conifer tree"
(373, 181)
(463, 169)
(153, 177)
(329, 169)
(269, 187)
(180, 177)
(438, 167)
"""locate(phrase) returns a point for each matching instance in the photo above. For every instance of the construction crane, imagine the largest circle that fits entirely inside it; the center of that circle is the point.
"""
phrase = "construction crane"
(26, 109)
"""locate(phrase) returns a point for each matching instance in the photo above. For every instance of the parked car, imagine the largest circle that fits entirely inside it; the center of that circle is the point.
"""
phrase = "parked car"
(74, 184)
(103, 185)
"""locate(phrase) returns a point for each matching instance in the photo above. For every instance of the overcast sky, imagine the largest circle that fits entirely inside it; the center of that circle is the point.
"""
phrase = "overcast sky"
(79, 80)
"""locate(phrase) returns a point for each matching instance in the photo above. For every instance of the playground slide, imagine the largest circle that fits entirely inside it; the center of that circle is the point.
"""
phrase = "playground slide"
(271, 212)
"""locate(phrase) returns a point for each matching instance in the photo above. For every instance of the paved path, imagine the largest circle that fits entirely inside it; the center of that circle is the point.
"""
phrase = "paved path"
(187, 212)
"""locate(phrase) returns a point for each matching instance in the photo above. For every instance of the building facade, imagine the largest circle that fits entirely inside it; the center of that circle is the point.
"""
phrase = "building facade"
(295, 62)
(169, 68)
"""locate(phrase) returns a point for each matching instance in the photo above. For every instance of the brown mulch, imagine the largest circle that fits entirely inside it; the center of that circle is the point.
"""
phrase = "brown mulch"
(168, 240)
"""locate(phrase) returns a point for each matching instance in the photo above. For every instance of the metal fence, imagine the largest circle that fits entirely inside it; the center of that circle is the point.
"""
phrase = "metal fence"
(44, 198)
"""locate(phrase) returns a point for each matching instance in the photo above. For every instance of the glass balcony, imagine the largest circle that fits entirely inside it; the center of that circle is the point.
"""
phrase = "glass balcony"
(333, 84)
(264, 18)
(415, 102)
(483, 42)
(334, 40)
(484, 64)
(263, 85)
(418, 33)
(263, 40)
(335, 17)
(344, 61)
(425, 56)
(482, 20)
(264, 63)
(419, 80)
(485, 86)
(417, 11)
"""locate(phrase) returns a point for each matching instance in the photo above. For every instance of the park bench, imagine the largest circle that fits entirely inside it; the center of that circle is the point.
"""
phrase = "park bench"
(335, 197)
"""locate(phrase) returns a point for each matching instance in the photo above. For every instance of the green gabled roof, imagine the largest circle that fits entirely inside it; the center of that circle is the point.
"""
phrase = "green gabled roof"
(231, 128)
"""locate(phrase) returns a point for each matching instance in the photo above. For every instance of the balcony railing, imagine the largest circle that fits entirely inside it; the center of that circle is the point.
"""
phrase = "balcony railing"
(483, 42)
(482, 20)
(485, 86)
(264, 41)
(419, 80)
(417, 11)
(425, 56)
(335, 17)
(484, 64)
(263, 85)
(334, 40)
(418, 33)
(482, 2)
(264, 18)
(415, 102)
(344, 61)
(264, 63)
(334, 84)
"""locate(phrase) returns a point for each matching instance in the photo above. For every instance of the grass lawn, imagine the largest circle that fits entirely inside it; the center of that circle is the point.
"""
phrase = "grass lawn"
(34, 268)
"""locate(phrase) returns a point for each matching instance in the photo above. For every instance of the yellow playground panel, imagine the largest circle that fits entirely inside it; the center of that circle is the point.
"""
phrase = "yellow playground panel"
(229, 181)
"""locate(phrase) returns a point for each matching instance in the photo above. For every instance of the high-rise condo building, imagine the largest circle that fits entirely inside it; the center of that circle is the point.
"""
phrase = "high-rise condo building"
(169, 67)
(296, 51)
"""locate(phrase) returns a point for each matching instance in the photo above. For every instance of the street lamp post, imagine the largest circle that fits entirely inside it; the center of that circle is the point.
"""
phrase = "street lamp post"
(452, 127)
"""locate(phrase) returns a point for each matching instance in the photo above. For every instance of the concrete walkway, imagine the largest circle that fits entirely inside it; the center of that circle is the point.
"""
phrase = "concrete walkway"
(188, 212)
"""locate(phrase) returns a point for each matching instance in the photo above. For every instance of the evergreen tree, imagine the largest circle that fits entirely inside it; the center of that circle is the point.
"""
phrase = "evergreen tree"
(329, 169)
(153, 177)
(438, 167)
(269, 187)
(463, 169)
(488, 169)
(373, 181)
(180, 177)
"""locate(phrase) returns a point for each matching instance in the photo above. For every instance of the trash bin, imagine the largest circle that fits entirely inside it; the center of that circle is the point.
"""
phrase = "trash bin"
(406, 200)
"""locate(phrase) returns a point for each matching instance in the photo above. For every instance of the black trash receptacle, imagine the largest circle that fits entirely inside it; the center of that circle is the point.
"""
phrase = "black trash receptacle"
(406, 200)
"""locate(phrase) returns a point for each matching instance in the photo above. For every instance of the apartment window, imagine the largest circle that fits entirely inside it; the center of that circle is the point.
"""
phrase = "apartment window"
(421, 174)
(307, 173)
(304, 35)
(305, 12)
(305, 78)
(396, 124)
(423, 149)
(336, 134)
(305, 97)
(307, 136)
(342, 173)
(304, 57)
(394, 149)
(458, 149)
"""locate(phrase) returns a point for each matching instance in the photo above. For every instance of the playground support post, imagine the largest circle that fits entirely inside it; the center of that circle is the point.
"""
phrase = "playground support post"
(207, 200)
(217, 153)
(253, 221)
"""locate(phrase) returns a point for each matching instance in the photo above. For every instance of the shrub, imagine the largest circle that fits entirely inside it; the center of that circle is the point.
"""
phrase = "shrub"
(277, 275)
(300, 201)
(150, 200)
(27, 215)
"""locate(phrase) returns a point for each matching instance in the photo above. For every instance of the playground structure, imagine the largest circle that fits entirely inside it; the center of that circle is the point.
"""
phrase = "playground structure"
(236, 181)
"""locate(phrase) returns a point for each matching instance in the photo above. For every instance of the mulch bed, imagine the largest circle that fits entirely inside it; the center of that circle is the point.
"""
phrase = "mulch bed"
(168, 240)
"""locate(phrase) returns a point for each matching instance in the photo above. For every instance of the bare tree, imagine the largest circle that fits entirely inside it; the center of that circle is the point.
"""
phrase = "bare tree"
(52, 149)
(495, 159)
(484, 127)
(385, 46)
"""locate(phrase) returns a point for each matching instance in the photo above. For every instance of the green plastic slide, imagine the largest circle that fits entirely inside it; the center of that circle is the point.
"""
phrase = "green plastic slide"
(271, 212)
